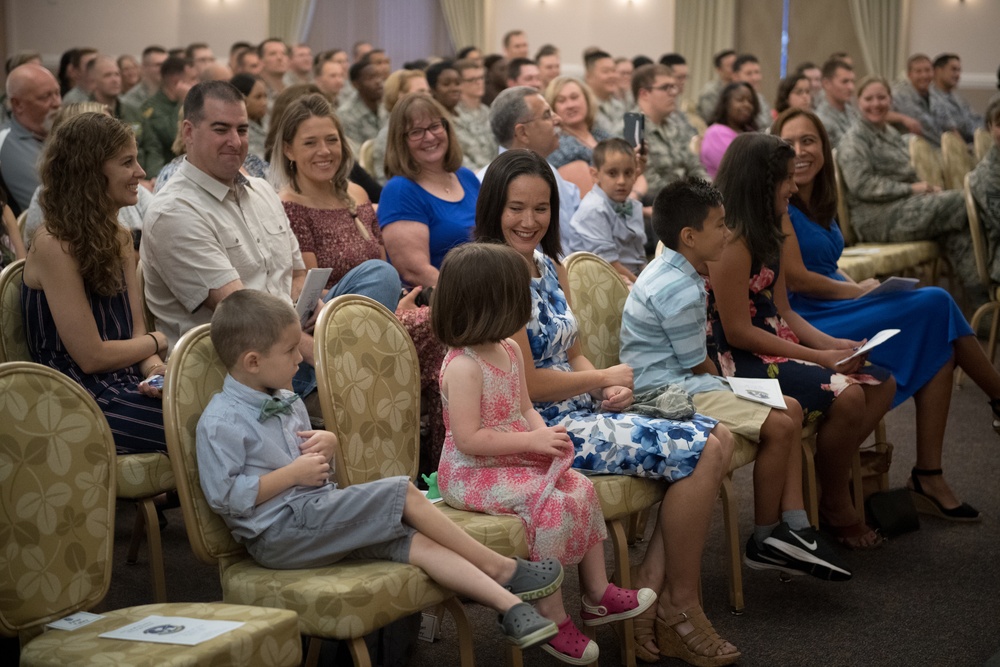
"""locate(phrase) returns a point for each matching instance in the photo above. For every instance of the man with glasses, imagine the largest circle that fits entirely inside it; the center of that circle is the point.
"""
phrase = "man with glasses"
(521, 118)
(472, 117)
(667, 145)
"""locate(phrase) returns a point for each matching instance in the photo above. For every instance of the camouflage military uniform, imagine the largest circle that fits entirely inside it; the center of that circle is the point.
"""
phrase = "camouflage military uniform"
(360, 123)
(472, 127)
(984, 181)
(958, 115)
(611, 116)
(378, 155)
(926, 111)
(878, 175)
(129, 115)
(709, 98)
(670, 159)
(836, 122)
(159, 128)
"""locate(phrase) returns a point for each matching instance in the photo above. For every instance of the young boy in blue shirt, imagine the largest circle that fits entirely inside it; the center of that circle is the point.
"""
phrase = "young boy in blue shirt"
(663, 337)
(608, 223)
(266, 472)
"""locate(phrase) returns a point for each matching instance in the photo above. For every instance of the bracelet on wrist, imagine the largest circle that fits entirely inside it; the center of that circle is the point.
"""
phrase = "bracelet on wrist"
(156, 343)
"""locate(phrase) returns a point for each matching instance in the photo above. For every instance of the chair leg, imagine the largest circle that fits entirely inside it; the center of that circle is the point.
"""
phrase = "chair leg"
(148, 509)
(809, 483)
(637, 526)
(730, 519)
(358, 648)
(622, 577)
(315, 644)
(991, 350)
(138, 530)
(513, 657)
(987, 308)
(881, 446)
(457, 611)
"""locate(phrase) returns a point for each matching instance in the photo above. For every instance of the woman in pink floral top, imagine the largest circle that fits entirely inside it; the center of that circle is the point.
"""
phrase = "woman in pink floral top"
(759, 336)
(337, 228)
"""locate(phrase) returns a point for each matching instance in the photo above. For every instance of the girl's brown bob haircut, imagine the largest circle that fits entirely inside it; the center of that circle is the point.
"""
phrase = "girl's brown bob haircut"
(483, 295)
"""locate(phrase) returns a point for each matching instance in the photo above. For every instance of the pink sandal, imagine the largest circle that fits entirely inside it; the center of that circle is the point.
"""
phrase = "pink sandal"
(572, 646)
(617, 604)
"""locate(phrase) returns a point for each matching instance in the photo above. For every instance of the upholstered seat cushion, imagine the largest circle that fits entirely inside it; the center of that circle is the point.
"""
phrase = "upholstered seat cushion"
(144, 475)
(886, 259)
(621, 496)
(343, 601)
(503, 534)
(268, 637)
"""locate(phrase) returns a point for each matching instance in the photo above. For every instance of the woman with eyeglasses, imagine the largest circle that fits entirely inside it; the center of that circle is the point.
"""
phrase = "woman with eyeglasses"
(429, 204)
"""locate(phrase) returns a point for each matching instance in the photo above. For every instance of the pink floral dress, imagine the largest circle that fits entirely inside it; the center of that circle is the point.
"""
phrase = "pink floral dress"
(813, 386)
(561, 513)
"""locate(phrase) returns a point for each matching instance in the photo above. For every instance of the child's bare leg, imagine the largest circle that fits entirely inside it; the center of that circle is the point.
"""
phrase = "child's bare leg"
(552, 607)
(779, 440)
(427, 519)
(457, 574)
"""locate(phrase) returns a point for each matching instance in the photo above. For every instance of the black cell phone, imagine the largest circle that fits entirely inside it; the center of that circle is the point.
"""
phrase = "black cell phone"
(635, 128)
(424, 298)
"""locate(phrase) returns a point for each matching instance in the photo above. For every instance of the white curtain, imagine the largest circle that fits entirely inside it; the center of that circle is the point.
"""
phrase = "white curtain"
(882, 29)
(702, 28)
(291, 19)
(466, 22)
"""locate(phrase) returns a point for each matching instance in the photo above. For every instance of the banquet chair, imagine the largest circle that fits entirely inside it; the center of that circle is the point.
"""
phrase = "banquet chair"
(980, 248)
(926, 161)
(57, 508)
(366, 157)
(344, 601)
(368, 380)
(982, 142)
(141, 477)
(955, 160)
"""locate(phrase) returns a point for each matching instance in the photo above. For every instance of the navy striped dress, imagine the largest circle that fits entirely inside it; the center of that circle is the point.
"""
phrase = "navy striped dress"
(136, 420)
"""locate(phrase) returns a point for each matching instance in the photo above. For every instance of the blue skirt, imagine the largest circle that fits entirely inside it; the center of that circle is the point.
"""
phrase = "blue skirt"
(928, 319)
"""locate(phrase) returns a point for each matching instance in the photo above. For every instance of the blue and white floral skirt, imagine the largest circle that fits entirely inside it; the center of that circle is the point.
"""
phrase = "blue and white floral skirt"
(628, 444)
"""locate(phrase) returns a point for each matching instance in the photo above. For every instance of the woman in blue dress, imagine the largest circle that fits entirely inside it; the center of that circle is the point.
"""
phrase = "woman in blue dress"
(935, 335)
(80, 298)
(519, 205)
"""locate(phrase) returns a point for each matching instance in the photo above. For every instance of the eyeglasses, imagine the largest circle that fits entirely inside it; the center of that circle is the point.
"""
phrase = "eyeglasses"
(666, 88)
(417, 133)
(546, 116)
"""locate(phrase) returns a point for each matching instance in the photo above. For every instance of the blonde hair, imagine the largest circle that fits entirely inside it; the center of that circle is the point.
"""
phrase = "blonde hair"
(396, 84)
(557, 84)
(73, 109)
(75, 202)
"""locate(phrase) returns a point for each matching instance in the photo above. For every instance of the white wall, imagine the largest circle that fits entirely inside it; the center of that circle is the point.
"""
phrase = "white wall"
(620, 27)
(967, 28)
(128, 26)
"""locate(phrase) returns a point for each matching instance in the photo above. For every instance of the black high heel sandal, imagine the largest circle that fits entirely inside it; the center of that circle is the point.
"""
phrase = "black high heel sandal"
(927, 504)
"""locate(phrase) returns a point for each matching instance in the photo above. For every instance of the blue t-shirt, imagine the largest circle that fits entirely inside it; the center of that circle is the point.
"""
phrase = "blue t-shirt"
(449, 223)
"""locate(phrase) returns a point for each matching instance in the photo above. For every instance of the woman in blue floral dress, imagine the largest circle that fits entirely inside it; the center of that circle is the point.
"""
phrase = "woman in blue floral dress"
(518, 205)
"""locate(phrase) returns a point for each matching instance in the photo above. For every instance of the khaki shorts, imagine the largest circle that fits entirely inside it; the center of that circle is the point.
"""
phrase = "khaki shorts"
(740, 416)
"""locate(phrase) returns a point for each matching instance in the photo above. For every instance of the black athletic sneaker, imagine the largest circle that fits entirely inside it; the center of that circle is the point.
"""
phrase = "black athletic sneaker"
(807, 551)
(766, 558)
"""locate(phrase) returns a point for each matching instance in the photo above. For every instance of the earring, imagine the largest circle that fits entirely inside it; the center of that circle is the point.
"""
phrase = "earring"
(291, 166)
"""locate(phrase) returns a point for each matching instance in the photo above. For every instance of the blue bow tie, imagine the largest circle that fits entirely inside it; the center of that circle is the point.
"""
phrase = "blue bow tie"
(623, 209)
(276, 406)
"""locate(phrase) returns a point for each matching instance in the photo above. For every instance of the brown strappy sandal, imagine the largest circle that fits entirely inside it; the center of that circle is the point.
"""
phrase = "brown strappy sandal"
(643, 635)
(700, 647)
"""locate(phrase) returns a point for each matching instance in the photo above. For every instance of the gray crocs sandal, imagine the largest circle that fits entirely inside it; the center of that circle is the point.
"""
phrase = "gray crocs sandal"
(524, 627)
(533, 580)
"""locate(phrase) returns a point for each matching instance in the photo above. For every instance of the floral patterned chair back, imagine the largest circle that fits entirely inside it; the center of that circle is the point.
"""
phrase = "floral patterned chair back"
(13, 342)
(955, 160)
(57, 500)
(195, 373)
(369, 389)
(926, 161)
(598, 294)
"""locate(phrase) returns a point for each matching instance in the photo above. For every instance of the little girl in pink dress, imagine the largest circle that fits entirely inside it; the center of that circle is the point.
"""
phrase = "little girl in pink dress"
(499, 457)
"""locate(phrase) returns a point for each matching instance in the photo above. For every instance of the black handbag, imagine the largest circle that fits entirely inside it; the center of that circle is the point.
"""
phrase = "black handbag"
(892, 512)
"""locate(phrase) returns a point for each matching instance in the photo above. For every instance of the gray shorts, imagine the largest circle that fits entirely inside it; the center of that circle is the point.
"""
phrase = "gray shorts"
(364, 521)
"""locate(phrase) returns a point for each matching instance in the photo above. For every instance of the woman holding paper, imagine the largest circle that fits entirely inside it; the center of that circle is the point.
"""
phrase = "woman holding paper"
(935, 336)
(758, 335)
